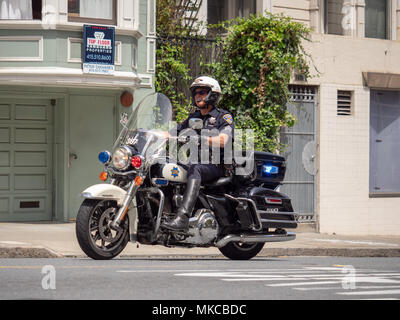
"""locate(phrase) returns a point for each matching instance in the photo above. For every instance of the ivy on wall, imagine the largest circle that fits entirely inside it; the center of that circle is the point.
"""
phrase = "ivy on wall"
(171, 69)
(258, 56)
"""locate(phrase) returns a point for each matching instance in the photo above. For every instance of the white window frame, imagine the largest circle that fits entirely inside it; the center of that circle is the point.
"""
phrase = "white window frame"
(317, 18)
(55, 16)
(389, 19)
(112, 22)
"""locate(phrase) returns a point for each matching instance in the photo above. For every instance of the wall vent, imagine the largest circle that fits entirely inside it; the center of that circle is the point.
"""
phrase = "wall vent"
(344, 103)
(29, 204)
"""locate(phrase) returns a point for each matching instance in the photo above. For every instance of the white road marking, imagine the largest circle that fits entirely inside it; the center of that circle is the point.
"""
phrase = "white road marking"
(377, 292)
(308, 283)
(261, 279)
(358, 287)
(155, 270)
(311, 278)
(377, 299)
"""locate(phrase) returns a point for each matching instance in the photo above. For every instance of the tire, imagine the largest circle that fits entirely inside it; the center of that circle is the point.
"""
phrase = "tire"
(93, 232)
(241, 251)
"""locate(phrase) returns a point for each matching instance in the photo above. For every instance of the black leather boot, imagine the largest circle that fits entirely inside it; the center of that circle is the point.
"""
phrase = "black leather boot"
(181, 221)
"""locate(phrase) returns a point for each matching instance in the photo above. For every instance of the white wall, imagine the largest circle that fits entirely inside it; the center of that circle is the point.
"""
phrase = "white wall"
(344, 205)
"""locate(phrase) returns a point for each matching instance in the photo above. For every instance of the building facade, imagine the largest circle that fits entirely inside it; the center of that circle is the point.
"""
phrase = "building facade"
(343, 167)
(54, 118)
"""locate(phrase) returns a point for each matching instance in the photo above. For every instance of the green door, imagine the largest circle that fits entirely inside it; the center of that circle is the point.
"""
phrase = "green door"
(91, 130)
(26, 135)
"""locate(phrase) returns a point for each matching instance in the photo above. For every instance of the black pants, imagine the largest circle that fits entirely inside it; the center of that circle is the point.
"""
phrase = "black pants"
(204, 172)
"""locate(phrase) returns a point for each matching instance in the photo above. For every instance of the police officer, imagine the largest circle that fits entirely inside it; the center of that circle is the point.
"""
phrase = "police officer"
(206, 93)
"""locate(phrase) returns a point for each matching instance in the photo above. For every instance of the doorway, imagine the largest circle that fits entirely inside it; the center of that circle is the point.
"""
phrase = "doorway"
(92, 129)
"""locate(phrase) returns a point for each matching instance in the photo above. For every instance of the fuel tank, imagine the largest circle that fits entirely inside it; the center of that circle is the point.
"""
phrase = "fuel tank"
(170, 172)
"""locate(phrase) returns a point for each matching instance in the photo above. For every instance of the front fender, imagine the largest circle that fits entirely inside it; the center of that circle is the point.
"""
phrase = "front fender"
(105, 191)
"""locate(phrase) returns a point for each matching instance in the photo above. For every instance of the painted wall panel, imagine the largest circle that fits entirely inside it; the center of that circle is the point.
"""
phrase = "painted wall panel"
(30, 159)
(4, 182)
(4, 159)
(4, 205)
(30, 135)
(19, 48)
(4, 135)
(30, 182)
(31, 112)
(5, 112)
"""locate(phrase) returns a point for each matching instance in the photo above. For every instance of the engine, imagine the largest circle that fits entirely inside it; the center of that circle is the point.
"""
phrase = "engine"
(204, 228)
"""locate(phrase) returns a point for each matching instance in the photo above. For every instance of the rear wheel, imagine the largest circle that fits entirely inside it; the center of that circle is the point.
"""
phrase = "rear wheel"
(241, 251)
(93, 231)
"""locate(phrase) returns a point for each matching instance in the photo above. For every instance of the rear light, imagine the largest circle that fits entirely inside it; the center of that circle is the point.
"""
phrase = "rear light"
(136, 162)
(273, 201)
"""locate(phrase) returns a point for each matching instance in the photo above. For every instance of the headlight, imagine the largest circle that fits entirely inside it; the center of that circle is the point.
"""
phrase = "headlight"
(121, 158)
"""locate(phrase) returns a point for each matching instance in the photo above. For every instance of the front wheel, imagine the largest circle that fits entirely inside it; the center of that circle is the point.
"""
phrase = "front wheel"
(95, 237)
(241, 251)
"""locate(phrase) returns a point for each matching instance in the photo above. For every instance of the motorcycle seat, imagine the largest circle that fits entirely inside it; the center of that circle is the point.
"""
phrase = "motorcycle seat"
(222, 181)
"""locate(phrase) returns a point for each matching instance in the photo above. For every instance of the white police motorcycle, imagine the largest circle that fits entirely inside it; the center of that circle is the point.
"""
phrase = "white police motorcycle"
(237, 214)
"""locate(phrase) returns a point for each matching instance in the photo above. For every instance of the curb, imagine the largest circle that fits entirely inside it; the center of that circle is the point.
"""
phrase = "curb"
(331, 252)
(41, 252)
(24, 252)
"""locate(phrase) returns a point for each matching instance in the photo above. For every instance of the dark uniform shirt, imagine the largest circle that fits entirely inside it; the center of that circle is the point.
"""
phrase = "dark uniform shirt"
(217, 121)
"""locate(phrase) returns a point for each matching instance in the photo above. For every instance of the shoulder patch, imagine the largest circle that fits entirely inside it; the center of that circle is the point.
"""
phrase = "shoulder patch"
(228, 118)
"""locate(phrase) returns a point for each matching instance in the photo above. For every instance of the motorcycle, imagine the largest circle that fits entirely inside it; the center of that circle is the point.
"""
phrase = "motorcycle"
(237, 214)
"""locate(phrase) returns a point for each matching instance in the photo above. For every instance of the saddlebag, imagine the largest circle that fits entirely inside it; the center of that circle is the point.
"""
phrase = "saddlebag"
(274, 208)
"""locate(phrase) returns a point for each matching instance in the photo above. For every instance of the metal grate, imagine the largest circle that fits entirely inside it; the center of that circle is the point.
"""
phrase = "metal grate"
(302, 93)
(344, 99)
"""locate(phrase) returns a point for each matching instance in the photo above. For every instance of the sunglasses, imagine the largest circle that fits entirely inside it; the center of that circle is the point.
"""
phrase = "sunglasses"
(201, 92)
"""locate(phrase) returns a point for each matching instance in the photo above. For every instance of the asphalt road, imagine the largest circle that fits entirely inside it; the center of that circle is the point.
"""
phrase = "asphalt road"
(294, 278)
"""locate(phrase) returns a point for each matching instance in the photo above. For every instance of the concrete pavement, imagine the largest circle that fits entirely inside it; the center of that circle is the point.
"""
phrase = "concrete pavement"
(45, 240)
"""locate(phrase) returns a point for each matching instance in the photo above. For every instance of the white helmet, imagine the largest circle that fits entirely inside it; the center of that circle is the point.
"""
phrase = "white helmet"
(209, 83)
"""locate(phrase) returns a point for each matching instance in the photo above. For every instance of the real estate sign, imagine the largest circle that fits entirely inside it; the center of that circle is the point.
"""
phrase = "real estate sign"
(98, 55)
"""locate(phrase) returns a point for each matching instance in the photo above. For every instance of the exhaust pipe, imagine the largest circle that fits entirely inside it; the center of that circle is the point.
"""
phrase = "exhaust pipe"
(251, 238)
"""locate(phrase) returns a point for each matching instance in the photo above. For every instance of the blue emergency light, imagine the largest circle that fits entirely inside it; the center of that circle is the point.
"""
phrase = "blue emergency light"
(270, 169)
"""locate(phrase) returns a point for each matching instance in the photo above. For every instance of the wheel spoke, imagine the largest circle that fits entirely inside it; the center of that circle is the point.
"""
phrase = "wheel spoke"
(102, 236)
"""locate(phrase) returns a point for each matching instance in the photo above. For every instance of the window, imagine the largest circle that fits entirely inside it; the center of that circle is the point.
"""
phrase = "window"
(376, 19)
(223, 10)
(338, 17)
(246, 8)
(20, 9)
(93, 11)
(217, 11)
(384, 143)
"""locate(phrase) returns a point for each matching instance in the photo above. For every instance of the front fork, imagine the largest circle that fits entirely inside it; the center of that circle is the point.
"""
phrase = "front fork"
(125, 205)
(115, 224)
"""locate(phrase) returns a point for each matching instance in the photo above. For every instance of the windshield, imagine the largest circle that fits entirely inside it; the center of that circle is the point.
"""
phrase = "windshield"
(152, 115)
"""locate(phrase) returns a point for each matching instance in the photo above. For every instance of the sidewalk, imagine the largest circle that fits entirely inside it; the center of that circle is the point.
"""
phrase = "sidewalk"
(48, 240)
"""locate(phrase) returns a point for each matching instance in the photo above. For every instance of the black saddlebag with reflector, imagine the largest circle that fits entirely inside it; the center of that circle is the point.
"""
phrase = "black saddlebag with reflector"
(274, 208)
